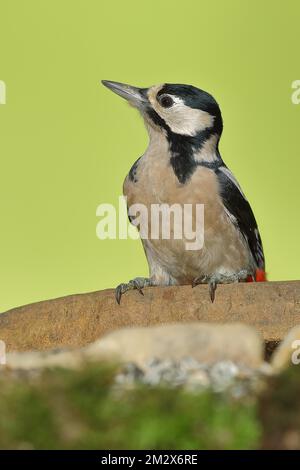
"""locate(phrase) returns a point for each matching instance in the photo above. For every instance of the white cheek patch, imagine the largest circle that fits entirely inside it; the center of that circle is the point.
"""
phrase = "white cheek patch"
(207, 152)
(181, 118)
(185, 120)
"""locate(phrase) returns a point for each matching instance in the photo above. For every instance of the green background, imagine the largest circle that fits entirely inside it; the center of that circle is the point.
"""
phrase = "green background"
(66, 142)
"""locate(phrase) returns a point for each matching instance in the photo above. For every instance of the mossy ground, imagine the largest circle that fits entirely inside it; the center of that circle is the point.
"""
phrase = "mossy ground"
(63, 409)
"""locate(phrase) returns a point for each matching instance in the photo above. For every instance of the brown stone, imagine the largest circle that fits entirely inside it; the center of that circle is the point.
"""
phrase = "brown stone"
(74, 321)
(206, 343)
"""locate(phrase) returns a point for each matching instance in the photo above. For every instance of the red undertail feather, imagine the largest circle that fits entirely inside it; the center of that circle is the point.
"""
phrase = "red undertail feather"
(260, 276)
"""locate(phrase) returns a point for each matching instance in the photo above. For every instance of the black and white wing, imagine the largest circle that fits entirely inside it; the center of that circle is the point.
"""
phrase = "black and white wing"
(241, 214)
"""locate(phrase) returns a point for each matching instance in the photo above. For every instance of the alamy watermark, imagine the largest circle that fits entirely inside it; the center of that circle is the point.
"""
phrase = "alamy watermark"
(296, 354)
(296, 93)
(153, 222)
(2, 92)
(2, 353)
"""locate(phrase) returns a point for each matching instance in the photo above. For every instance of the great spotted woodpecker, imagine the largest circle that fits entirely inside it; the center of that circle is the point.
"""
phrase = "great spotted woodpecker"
(182, 164)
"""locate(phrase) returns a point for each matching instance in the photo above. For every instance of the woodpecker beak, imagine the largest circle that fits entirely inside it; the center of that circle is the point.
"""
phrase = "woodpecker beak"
(136, 96)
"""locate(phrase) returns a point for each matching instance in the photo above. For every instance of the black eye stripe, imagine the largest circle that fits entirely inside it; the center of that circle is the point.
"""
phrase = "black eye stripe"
(165, 101)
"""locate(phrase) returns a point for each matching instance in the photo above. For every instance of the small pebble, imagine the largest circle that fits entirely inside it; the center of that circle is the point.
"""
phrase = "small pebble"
(193, 375)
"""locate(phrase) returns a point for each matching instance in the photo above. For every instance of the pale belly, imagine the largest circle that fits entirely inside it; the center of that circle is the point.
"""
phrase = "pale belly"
(170, 262)
(221, 253)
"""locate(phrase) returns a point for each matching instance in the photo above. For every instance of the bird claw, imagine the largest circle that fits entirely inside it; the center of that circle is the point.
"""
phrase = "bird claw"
(138, 286)
(199, 280)
(120, 290)
(211, 283)
(212, 290)
(217, 278)
(138, 283)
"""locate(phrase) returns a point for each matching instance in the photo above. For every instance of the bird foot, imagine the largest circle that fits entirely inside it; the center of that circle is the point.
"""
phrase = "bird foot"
(218, 278)
(137, 283)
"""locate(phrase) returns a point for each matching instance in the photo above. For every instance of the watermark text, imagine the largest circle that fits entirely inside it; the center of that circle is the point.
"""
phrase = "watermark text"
(296, 353)
(152, 222)
(2, 353)
(296, 93)
(2, 92)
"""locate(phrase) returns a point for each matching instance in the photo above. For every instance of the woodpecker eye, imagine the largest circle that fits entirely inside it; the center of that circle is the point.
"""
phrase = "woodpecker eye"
(165, 101)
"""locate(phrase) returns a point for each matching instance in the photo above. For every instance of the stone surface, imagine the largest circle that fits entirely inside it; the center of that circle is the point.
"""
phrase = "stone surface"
(158, 348)
(196, 356)
(288, 352)
(74, 321)
(193, 375)
(204, 342)
(35, 360)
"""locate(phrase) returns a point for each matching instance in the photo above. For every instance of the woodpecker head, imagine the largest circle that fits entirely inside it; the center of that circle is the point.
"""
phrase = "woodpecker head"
(181, 109)
(189, 117)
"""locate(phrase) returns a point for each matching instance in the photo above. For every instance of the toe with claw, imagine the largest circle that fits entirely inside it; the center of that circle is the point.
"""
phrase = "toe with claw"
(138, 283)
(219, 278)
